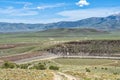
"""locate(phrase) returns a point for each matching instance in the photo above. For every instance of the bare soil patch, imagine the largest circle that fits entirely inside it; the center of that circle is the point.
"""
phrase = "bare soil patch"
(22, 56)
(8, 46)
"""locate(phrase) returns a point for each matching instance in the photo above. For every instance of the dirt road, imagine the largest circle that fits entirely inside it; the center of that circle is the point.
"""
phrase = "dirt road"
(38, 58)
(63, 76)
(57, 76)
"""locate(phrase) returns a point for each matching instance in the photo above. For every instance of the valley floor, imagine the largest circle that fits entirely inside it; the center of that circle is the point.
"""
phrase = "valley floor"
(24, 50)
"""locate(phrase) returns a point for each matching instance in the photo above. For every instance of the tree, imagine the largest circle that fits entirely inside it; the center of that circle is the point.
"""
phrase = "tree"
(40, 67)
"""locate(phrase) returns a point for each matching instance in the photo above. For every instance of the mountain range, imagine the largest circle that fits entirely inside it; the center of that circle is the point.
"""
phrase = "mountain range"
(111, 22)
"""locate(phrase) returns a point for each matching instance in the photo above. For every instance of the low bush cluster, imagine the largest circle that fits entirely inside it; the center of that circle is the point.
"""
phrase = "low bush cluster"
(38, 66)
(54, 68)
(87, 70)
(7, 65)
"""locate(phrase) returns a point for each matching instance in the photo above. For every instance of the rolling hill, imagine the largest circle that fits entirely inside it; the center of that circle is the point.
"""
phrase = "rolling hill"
(105, 23)
(71, 32)
(61, 32)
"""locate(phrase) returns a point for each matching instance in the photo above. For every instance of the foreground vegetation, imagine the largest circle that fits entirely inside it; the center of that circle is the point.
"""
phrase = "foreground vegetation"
(22, 74)
(30, 71)
(90, 69)
(82, 69)
(43, 65)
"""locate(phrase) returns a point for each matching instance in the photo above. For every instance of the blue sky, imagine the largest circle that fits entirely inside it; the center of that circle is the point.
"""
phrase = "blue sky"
(47, 11)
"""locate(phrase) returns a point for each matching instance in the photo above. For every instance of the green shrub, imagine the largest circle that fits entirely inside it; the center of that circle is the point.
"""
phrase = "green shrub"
(106, 68)
(39, 67)
(87, 70)
(9, 65)
(95, 67)
(102, 68)
(24, 66)
(115, 73)
(118, 79)
(54, 68)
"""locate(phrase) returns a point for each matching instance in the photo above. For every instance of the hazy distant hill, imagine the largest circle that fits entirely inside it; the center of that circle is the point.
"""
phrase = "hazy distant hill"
(64, 32)
(61, 32)
(105, 23)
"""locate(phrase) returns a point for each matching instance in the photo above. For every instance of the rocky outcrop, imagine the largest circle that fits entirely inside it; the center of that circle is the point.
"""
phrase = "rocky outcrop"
(88, 48)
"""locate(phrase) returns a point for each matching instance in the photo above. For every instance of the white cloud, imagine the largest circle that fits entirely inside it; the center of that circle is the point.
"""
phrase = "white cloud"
(29, 20)
(26, 4)
(82, 3)
(11, 11)
(42, 7)
(79, 14)
(50, 6)
(70, 15)
(45, 7)
(15, 2)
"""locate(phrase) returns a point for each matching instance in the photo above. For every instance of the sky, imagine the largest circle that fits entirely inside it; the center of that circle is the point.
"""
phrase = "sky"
(49, 11)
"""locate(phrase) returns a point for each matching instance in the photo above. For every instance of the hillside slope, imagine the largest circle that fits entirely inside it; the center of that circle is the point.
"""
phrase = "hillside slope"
(109, 48)
(71, 32)
(105, 23)
(61, 32)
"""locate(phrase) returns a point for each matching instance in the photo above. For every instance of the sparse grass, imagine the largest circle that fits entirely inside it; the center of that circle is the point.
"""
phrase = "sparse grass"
(105, 69)
(93, 76)
(44, 39)
(21, 74)
(32, 37)
(16, 50)
(99, 69)
(78, 61)
(85, 69)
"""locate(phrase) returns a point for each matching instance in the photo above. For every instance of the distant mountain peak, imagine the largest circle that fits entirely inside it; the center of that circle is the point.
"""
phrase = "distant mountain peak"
(111, 22)
(118, 14)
